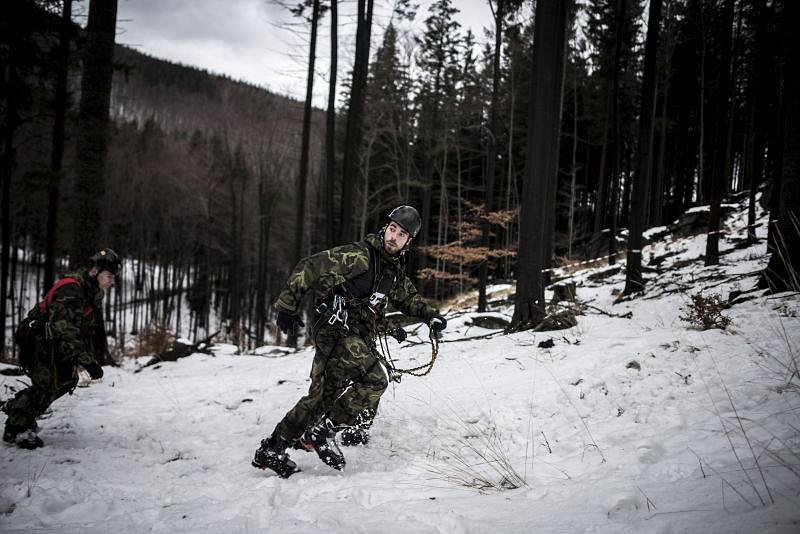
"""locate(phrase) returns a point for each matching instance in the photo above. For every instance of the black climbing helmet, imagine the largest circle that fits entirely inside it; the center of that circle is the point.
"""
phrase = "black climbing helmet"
(408, 218)
(106, 259)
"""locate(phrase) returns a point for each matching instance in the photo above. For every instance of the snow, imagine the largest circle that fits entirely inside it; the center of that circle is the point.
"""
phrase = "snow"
(624, 425)
(647, 234)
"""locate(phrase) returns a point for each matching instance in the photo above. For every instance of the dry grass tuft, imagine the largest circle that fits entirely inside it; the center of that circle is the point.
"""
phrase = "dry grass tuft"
(154, 339)
(705, 312)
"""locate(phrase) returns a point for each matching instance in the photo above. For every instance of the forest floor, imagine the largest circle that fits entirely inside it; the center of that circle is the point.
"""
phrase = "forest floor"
(632, 421)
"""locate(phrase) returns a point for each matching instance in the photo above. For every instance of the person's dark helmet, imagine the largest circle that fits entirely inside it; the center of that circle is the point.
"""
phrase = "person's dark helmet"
(408, 218)
(106, 259)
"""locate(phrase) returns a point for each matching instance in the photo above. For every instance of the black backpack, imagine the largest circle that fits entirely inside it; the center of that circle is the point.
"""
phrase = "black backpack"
(35, 326)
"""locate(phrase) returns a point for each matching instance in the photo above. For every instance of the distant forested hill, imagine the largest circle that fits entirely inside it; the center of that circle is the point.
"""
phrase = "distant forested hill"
(200, 179)
(182, 98)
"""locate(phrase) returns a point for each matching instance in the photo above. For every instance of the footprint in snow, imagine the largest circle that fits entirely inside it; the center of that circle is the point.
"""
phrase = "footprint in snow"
(649, 452)
(624, 506)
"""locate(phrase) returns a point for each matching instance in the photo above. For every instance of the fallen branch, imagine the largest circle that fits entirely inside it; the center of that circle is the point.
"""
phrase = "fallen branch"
(471, 338)
(181, 350)
(628, 315)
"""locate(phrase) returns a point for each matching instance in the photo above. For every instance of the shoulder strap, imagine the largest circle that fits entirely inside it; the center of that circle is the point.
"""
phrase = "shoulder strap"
(44, 306)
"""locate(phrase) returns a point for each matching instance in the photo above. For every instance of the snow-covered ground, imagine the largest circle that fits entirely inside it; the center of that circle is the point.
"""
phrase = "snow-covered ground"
(637, 424)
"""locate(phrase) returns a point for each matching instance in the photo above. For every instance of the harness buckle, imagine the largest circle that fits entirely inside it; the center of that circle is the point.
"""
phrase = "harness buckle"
(377, 301)
(339, 312)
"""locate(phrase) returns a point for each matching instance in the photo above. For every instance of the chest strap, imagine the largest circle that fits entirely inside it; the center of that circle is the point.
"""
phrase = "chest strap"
(44, 306)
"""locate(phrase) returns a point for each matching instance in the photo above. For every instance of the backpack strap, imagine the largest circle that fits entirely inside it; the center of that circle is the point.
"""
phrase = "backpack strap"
(44, 306)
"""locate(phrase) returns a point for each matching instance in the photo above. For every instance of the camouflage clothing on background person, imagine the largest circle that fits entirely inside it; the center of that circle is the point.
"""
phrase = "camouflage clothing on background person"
(74, 335)
(347, 375)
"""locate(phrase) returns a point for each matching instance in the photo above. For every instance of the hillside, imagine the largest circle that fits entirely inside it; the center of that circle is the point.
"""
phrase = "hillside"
(185, 98)
(632, 421)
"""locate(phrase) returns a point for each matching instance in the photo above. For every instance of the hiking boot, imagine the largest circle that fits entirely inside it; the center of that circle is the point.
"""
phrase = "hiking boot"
(320, 438)
(9, 434)
(299, 445)
(272, 455)
(353, 435)
(24, 438)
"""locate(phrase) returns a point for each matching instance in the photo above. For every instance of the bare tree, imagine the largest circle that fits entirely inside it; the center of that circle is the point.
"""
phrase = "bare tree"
(57, 150)
(304, 150)
(330, 130)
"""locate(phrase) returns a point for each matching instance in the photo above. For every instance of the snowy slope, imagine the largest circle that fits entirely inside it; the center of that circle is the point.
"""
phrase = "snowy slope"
(624, 425)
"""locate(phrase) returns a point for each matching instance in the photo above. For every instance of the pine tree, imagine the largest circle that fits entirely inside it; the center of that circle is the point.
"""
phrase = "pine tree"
(641, 185)
(353, 132)
(93, 128)
(542, 163)
(438, 62)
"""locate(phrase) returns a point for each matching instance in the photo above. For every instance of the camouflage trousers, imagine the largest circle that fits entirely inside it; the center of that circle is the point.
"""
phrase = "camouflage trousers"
(347, 381)
(50, 379)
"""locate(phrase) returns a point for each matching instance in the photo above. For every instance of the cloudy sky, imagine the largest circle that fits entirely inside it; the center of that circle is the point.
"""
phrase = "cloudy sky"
(257, 40)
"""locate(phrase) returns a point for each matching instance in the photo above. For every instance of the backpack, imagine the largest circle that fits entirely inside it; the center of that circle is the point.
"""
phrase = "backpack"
(35, 325)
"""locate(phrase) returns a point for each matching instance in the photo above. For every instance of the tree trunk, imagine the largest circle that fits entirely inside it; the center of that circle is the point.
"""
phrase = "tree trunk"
(756, 123)
(542, 158)
(719, 170)
(7, 165)
(300, 206)
(701, 165)
(622, 7)
(330, 132)
(783, 271)
(776, 161)
(600, 203)
(352, 141)
(491, 150)
(511, 181)
(93, 128)
(573, 174)
(644, 164)
(657, 193)
(57, 151)
(263, 240)
(781, 47)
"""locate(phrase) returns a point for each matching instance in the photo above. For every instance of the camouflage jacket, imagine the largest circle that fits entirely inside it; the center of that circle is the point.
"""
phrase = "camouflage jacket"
(355, 271)
(76, 321)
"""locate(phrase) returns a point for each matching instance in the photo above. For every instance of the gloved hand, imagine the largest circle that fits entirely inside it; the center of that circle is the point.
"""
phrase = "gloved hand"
(437, 323)
(399, 334)
(286, 322)
(94, 370)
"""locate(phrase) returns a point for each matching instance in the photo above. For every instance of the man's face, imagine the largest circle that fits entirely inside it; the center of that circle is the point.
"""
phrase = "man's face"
(395, 238)
(105, 280)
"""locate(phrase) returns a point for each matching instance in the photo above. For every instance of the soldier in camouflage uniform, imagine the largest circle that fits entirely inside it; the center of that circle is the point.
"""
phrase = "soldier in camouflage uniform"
(66, 330)
(353, 285)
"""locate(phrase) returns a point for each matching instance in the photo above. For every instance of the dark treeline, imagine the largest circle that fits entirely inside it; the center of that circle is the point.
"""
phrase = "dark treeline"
(195, 184)
(658, 107)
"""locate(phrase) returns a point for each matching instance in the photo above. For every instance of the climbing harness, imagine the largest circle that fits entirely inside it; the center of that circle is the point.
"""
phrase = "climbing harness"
(339, 312)
(335, 313)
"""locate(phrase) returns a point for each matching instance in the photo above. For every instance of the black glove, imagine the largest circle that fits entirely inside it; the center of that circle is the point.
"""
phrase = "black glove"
(399, 334)
(286, 322)
(437, 323)
(94, 370)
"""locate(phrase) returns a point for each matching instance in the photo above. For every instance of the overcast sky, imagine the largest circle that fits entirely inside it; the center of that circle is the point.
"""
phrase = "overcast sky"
(248, 39)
